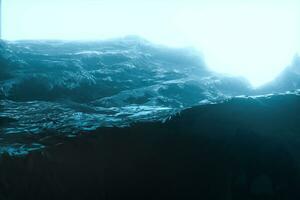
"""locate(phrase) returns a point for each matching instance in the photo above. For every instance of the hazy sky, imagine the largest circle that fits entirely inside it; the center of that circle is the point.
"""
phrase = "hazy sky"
(255, 39)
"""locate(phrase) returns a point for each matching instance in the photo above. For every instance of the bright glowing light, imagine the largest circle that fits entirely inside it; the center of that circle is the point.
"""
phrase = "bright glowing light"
(255, 40)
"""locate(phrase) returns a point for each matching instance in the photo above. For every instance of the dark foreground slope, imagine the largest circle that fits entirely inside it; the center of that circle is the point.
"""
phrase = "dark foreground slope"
(245, 148)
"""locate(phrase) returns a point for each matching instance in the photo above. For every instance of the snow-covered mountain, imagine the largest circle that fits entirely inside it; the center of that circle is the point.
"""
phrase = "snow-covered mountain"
(75, 86)
(288, 80)
(87, 71)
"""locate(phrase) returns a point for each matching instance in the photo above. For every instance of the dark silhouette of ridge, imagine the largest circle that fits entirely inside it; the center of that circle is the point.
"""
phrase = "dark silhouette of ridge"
(244, 148)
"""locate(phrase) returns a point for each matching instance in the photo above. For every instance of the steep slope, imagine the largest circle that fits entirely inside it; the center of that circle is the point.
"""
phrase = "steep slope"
(243, 148)
(85, 71)
(288, 80)
(75, 86)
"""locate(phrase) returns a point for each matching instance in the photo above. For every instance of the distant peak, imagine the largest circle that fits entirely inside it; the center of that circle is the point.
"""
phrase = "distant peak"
(134, 38)
(295, 65)
(296, 59)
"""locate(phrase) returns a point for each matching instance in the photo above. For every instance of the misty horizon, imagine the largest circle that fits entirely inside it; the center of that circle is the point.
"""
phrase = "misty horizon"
(139, 99)
(256, 40)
